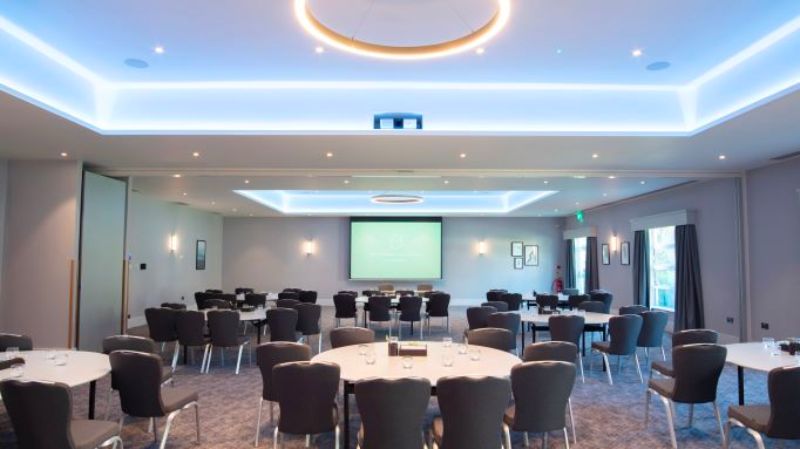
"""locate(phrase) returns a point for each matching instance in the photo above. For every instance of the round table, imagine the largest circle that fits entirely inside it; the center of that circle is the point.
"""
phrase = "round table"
(82, 367)
(541, 320)
(354, 367)
(756, 357)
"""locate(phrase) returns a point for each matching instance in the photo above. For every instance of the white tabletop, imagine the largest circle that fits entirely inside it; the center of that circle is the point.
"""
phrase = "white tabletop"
(591, 318)
(81, 368)
(254, 315)
(354, 367)
(395, 300)
(756, 357)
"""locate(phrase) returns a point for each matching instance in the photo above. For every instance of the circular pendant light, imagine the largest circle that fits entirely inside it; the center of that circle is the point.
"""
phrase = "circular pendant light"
(470, 41)
(396, 199)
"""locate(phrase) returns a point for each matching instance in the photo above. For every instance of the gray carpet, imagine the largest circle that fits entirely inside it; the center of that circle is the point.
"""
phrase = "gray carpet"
(606, 416)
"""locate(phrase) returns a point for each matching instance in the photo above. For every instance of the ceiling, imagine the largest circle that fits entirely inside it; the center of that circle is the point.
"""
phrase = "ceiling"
(557, 102)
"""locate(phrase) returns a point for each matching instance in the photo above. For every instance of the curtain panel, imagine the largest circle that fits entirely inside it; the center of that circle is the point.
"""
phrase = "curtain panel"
(592, 275)
(688, 283)
(641, 269)
(569, 266)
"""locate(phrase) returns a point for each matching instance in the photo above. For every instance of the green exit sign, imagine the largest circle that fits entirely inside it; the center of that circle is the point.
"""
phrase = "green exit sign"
(579, 216)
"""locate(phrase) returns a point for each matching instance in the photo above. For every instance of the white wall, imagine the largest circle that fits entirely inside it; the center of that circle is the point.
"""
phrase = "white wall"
(715, 203)
(266, 254)
(41, 239)
(3, 194)
(169, 277)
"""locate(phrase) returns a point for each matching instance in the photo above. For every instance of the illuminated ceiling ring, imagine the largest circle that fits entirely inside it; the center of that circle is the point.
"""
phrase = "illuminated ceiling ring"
(473, 40)
(397, 199)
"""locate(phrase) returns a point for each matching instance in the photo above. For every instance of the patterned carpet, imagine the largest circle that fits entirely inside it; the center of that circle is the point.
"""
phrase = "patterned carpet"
(606, 416)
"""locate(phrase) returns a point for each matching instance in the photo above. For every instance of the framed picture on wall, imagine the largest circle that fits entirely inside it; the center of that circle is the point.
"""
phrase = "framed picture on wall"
(606, 254)
(516, 249)
(200, 255)
(531, 255)
(625, 253)
(518, 263)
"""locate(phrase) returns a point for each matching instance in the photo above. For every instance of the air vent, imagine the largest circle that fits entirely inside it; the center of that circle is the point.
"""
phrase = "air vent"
(397, 120)
(786, 156)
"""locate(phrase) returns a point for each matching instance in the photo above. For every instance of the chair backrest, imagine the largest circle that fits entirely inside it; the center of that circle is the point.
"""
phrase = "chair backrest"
(223, 325)
(287, 303)
(541, 391)
(424, 287)
(215, 291)
(693, 336)
(268, 355)
(697, 370)
(653, 325)
(21, 342)
(369, 293)
(438, 304)
(495, 295)
(347, 336)
(410, 308)
(472, 411)
(306, 393)
(514, 300)
(549, 301)
(255, 299)
(570, 291)
(379, 308)
(345, 305)
(309, 296)
(129, 343)
(40, 412)
(217, 303)
(492, 337)
(292, 290)
(243, 290)
(592, 306)
(392, 412)
(477, 316)
(352, 293)
(190, 326)
(505, 320)
(784, 403)
(560, 351)
(623, 333)
(605, 297)
(288, 295)
(308, 316)
(161, 324)
(200, 298)
(386, 288)
(173, 305)
(501, 306)
(282, 324)
(567, 328)
(632, 310)
(404, 292)
(137, 377)
(576, 299)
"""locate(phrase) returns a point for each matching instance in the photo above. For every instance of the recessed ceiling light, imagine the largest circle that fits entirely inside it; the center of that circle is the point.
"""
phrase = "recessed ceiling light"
(329, 154)
(234, 210)
(64, 154)
(722, 157)
(546, 182)
(347, 181)
(555, 210)
(247, 181)
(637, 52)
(595, 156)
(579, 177)
(577, 203)
(559, 51)
(643, 182)
(184, 193)
(605, 194)
(480, 50)
(462, 155)
(446, 181)
(319, 49)
(213, 203)
(176, 175)
(250, 215)
(195, 154)
(612, 177)
(158, 49)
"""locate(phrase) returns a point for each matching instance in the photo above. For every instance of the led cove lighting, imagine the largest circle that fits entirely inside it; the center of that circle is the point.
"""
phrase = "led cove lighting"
(474, 40)
(397, 199)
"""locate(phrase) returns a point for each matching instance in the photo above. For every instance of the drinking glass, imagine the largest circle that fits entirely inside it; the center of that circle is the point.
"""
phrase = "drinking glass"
(447, 342)
(768, 342)
(447, 359)
(11, 352)
(61, 358)
(370, 357)
(17, 371)
(474, 354)
(362, 349)
(462, 349)
(408, 362)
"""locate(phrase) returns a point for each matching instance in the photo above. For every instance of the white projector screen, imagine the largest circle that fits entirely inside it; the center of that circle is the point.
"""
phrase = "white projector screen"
(386, 249)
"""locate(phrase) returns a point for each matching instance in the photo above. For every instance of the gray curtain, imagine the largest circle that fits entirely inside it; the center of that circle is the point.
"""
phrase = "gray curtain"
(641, 268)
(592, 275)
(688, 283)
(569, 271)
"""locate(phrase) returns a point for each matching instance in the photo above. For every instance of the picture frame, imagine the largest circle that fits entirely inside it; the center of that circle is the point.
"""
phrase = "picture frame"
(606, 253)
(625, 253)
(517, 249)
(200, 255)
(531, 258)
(518, 263)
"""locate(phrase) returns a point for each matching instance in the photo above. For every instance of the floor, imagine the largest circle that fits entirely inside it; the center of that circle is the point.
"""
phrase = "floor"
(606, 416)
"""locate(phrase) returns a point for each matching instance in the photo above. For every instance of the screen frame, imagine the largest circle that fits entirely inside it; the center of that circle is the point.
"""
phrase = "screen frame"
(394, 219)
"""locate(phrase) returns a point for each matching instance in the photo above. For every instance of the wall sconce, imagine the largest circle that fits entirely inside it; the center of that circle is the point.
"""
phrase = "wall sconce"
(481, 248)
(308, 247)
(173, 243)
(614, 243)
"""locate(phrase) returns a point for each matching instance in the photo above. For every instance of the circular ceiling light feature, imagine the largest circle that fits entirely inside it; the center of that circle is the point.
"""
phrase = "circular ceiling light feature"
(637, 52)
(658, 65)
(159, 49)
(473, 40)
(136, 63)
(397, 199)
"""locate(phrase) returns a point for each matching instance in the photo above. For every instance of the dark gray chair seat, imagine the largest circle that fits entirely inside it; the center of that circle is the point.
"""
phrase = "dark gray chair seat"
(664, 387)
(89, 434)
(664, 368)
(177, 398)
(492, 337)
(623, 332)
(755, 417)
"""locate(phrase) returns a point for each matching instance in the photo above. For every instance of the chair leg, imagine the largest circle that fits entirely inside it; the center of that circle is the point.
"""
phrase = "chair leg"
(164, 437)
(258, 420)
(670, 421)
(663, 354)
(506, 436)
(336, 437)
(208, 359)
(271, 413)
(691, 414)
(566, 439)
(275, 439)
(572, 421)
(239, 359)
(719, 421)
(646, 407)
(638, 368)
(545, 441)
(175, 356)
(197, 420)
(608, 369)
(308, 440)
(727, 434)
(319, 344)
(108, 402)
(580, 365)
(525, 439)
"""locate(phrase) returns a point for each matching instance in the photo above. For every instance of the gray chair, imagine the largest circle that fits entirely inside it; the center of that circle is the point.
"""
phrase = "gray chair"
(438, 306)
(269, 355)
(348, 336)
(386, 288)
(410, 312)
(514, 300)
(652, 334)
(547, 301)
(380, 310)
(137, 375)
(282, 322)
(509, 321)
(345, 305)
(289, 295)
(161, 326)
(492, 337)
(495, 295)
(603, 296)
(568, 328)
(173, 305)
(191, 334)
(477, 316)
(392, 412)
(593, 307)
(286, 303)
(307, 296)
(623, 334)
(255, 299)
(243, 290)
(217, 303)
(632, 310)
(401, 293)
(306, 394)
(697, 371)
(308, 316)
(573, 301)
(684, 337)
(541, 395)
(472, 412)
(779, 418)
(500, 306)
(223, 326)
(41, 414)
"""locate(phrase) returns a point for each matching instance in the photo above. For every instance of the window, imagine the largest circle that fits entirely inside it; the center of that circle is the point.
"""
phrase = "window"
(662, 267)
(579, 262)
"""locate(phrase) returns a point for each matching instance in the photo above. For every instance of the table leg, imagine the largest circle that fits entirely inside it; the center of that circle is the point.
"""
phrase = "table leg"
(346, 399)
(185, 354)
(258, 332)
(92, 395)
(740, 376)
(523, 334)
